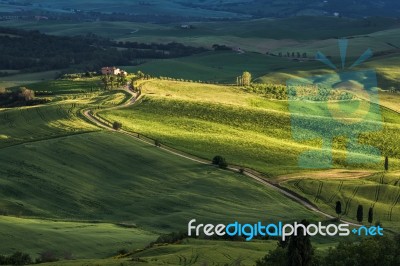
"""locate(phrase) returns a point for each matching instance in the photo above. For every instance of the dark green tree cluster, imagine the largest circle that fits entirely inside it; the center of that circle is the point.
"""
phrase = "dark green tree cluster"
(18, 258)
(296, 251)
(368, 252)
(19, 97)
(220, 161)
(34, 51)
(371, 251)
(111, 81)
(117, 125)
(272, 91)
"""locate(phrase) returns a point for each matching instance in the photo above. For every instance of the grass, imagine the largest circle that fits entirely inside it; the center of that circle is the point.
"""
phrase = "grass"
(224, 67)
(53, 160)
(27, 78)
(110, 189)
(67, 86)
(210, 252)
(247, 129)
(195, 251)
(110, 178)
(380, 191)
(77, 239)
(219, 66)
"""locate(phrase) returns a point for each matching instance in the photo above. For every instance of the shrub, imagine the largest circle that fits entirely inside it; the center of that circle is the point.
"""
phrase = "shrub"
(18, 258)
(47, 256)
(157, 143)
(220, 161)
(122, 251)
(117, 125)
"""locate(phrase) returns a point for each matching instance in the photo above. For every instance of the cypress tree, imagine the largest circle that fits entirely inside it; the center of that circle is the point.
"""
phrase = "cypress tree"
(360, 213)
(370, 215)
(386, 163)
(338, 208)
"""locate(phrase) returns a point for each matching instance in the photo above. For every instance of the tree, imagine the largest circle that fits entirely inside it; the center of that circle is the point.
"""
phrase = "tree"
(296, 251)
(117, 125)
(105, 79)
(370, 215)
(360, 213)
(112, 79)
(220, 161)
(386, 163)
(300, 251)
(140, 74)
(246, 78)
(18, 258)
(338, 208)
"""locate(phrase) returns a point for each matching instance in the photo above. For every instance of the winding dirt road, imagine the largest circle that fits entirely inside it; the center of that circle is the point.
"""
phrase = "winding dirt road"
(254, 175)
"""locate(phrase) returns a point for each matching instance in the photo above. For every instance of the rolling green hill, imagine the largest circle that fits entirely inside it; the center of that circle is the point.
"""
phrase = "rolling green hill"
(58, 170)
(248, 129)
(68, 239)
(380, 191)
(252, 131)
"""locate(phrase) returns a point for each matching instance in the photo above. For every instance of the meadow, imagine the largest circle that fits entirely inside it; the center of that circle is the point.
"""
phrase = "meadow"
(381, 191)
(221, 67)
(27, 78)
(69, 239)
(94, 181)
(61, 175)
(63, 180)
(257, 35)
(255, 132)
(248, 129)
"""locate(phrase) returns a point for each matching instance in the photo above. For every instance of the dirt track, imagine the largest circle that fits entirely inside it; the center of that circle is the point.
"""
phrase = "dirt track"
(254, 175)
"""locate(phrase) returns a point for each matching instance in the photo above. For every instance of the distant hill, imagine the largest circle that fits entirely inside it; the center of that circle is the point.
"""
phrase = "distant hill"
(181, 10)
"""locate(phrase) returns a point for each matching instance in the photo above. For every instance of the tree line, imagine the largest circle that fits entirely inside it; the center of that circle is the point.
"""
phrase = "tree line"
(34, 51)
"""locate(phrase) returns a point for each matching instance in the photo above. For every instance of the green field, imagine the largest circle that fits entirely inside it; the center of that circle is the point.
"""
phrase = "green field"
(380, 191)
(27, 78)
(74, 239)
(251, 131)
(66, 86)
(247, 129)
(222, 67)
(60, 117)
(69, 178)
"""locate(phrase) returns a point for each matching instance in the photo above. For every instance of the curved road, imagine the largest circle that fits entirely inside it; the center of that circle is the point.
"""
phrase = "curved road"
(257, 177)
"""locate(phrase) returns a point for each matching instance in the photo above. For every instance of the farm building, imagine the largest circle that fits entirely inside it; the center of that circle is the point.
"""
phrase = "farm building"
(112, 71)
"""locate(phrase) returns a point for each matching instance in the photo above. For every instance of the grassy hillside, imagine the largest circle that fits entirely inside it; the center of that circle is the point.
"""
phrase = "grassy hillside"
(110, 178)
(27, 78)
(116, 187)
(68, 86)
(60, 117)
(69, 239)
(221, 66)
(380, 191)
(248, 129)
(195, 252)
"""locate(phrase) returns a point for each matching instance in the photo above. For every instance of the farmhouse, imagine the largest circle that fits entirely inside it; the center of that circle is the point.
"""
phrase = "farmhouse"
(112, 71)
